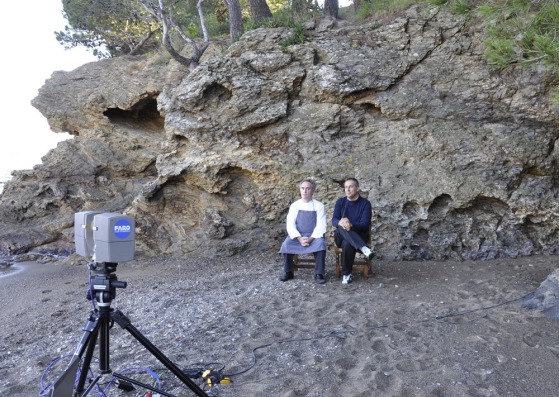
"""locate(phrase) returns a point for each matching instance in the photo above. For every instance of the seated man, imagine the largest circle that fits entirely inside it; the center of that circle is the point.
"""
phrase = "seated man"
(306, 225)
(352, 220)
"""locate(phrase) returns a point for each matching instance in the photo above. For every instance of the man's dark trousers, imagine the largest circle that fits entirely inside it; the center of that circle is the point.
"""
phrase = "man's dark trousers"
(319, 262)
(350, 242)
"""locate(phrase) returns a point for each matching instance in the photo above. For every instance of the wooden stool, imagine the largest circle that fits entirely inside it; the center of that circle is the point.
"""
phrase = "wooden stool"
(303, 262)
(361, 264)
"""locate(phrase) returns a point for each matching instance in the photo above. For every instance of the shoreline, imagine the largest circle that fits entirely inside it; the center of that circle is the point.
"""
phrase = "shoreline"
(15, 268)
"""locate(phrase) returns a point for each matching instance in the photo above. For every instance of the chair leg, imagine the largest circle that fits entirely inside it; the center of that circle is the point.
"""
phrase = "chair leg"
(338, 266)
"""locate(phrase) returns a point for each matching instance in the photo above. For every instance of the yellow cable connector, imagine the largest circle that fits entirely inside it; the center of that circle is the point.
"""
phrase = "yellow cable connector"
(206, 375)
(214, 378)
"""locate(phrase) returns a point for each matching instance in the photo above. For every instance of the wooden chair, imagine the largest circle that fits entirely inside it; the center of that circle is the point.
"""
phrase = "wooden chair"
(361, 263)
(303, 262)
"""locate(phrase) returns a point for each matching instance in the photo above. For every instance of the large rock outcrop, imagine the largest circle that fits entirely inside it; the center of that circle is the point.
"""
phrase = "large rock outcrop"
(458, 160)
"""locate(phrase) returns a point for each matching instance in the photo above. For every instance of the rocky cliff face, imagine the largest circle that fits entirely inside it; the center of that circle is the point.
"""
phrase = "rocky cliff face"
(458, 160)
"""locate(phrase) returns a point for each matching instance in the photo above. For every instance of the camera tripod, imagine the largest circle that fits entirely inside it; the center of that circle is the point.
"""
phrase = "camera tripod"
(72, 382)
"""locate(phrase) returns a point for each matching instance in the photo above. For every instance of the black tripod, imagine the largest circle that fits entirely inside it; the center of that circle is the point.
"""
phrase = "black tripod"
(103, 287)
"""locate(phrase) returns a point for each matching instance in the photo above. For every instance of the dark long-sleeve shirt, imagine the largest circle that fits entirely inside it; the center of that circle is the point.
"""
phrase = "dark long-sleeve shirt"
(358, 212)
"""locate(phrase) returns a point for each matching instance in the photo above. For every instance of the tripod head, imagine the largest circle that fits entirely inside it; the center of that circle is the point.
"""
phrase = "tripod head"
(103, 282)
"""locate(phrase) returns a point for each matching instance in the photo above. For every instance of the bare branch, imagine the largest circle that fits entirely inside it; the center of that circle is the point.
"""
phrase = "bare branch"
(165, 17)
(203, 21)
(136, 48)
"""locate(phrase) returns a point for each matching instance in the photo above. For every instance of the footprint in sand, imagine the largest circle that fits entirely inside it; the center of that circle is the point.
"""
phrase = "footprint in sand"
(532, 340)
(554, 350)
(385, 380)
(409, 366)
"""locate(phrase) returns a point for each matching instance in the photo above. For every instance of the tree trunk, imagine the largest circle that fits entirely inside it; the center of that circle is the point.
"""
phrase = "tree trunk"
(235, 19)
(259, 10)
(299, 8)
(331, 8)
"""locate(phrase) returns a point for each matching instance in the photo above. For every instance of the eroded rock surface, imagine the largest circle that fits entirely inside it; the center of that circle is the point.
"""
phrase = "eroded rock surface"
(458, 160)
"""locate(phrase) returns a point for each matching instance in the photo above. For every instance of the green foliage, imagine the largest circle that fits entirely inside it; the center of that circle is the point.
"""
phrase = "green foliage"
(277, 5)
(368, 8)
(108, 27)
(519, 31)
(461, 7)
(365, 10)
(193, 30)
(285, 18)
(499, 52)
(216, 26)
(298, 36)
(522, 31)
(554, 96)
(112, 27)
(282, 18)
(186, 15)
(437, 2)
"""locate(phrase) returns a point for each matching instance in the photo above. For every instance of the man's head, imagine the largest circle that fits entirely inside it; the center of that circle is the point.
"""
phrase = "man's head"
(307, 188)
(351, 188)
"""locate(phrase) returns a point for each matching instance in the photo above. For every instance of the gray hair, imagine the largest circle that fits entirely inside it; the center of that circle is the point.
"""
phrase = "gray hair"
(313, 183)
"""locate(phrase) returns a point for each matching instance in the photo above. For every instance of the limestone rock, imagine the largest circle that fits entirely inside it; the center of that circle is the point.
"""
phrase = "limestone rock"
(458, 159)
(546, 297)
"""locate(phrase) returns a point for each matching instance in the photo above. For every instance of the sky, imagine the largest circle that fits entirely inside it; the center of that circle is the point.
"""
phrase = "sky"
(30, 55)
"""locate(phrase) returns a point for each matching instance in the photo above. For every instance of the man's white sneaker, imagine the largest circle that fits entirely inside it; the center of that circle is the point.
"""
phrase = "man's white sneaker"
(347, 279)
(369, 253)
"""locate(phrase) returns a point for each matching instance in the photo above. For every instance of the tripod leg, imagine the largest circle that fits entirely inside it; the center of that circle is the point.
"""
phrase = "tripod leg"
(90, 387)
(64, 385)
(87, 362)
(101, 331)
(104, 363)
(125, 323)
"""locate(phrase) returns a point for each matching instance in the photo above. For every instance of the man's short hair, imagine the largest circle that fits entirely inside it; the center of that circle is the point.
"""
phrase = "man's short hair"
(313, 183)
(352, 179)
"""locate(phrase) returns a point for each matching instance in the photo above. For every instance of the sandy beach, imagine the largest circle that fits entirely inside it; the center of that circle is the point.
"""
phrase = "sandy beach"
(412, 329)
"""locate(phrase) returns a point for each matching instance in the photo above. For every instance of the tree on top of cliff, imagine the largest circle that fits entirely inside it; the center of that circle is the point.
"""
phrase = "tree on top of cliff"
(168, 22)
(108, 27)
(119, 27)
(259, 10)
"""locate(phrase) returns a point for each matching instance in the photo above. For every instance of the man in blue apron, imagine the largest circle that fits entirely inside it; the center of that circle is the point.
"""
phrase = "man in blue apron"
(306, 225)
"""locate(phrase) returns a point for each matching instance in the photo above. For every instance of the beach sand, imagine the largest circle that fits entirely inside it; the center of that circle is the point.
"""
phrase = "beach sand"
(412, 329)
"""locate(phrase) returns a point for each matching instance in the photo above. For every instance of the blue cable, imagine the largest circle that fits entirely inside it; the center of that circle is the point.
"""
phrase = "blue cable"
(45, 389)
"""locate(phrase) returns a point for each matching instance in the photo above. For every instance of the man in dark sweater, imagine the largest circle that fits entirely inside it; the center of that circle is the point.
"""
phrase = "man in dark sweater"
(352, 220)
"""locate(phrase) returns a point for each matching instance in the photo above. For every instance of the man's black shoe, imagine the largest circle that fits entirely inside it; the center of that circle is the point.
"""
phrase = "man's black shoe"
(371, 255)
(320, 279)
(286, 276)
